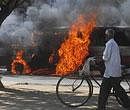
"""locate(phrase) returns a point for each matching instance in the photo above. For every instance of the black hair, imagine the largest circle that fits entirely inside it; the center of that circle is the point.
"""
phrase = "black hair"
(111, 32)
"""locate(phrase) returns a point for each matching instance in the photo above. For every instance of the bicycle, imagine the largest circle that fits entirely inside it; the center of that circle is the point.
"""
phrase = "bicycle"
(76, 89)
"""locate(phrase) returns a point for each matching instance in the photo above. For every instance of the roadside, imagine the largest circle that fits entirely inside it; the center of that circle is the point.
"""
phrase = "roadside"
(38, 93)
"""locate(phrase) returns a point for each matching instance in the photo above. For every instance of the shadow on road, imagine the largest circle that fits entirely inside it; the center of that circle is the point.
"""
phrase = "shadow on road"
(12, 99)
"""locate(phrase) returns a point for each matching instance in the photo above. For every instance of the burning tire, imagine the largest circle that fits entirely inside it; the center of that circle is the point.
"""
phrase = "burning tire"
(19, 65)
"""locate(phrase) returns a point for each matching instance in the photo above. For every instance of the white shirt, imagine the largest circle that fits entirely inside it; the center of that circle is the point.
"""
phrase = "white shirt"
(111, 57)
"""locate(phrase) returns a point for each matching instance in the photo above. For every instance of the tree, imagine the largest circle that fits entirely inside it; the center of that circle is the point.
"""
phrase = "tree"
(6, 7)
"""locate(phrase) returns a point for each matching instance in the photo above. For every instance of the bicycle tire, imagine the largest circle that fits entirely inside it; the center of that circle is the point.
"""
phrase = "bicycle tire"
(125, 82)
(74, 98)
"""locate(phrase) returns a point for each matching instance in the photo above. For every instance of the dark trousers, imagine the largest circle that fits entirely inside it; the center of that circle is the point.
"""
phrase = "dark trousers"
(106, 86)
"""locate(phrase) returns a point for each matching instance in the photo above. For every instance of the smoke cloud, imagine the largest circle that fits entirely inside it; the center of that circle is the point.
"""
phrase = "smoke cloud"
(125, 11)
(55, 13)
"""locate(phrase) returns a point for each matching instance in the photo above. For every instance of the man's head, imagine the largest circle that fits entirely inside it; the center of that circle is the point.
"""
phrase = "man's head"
(109, 34)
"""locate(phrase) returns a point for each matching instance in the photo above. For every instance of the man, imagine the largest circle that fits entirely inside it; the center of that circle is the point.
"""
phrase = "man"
(112, 75)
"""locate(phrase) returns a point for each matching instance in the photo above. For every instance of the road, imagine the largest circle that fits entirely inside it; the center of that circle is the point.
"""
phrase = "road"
(38, 93)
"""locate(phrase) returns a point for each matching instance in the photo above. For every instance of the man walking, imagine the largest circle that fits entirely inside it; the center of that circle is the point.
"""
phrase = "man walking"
(112, 75)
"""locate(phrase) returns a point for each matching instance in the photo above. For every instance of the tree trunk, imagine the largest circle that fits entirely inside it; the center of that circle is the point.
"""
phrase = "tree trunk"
(5, 11)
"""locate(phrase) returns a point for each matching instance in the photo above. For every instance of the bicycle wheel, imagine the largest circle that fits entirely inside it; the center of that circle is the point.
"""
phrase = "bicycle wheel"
(74, 91)
(125, 83)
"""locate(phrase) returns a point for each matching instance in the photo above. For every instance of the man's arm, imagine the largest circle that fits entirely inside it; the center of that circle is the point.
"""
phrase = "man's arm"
(107, 52)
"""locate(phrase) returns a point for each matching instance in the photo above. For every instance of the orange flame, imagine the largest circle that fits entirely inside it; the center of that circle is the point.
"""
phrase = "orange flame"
(19, 59)
(75, 49)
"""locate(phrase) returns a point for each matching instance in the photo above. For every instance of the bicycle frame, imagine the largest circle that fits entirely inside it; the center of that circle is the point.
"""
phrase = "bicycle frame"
(89, 74)
(78, 78)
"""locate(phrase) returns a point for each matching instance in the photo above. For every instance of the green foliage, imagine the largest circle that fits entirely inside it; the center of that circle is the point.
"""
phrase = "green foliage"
(3, 2)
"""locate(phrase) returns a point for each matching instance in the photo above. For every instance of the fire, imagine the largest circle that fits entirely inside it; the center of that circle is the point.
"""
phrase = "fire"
(19, 60)
(75, 49)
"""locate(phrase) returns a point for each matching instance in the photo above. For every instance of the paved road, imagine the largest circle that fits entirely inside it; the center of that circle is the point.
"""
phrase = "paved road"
(12, 79)
(38, 93)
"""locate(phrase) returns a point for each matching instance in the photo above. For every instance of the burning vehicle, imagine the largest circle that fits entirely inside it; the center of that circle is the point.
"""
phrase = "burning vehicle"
(95, 45)
(63, 49)
(40, 28)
